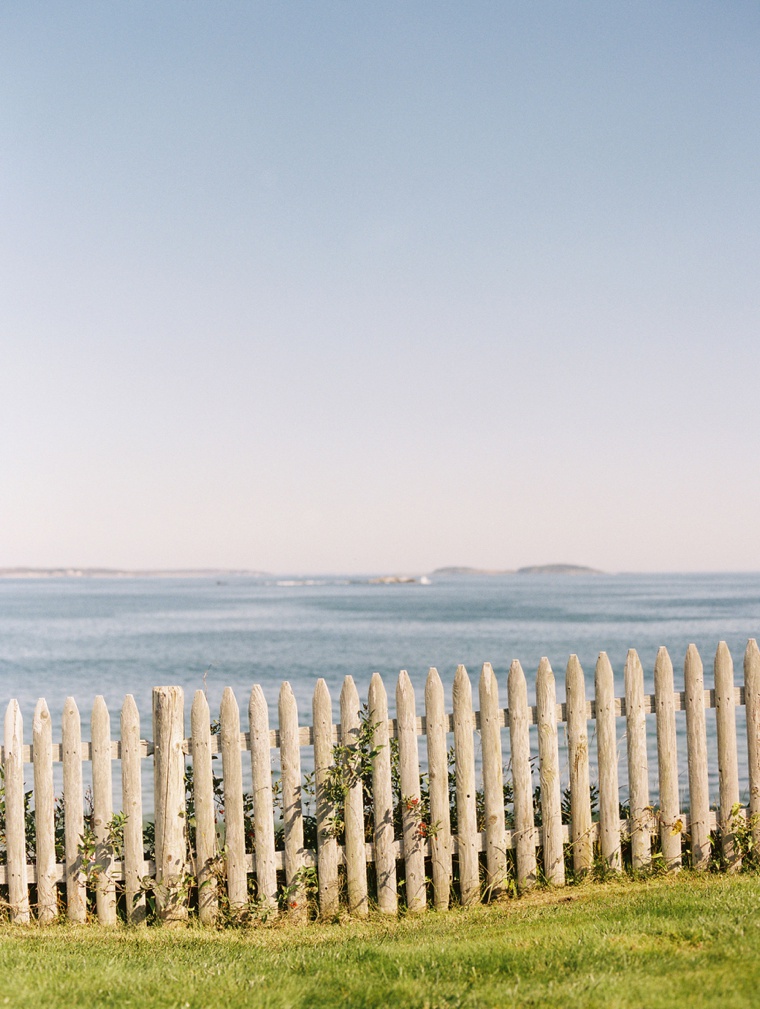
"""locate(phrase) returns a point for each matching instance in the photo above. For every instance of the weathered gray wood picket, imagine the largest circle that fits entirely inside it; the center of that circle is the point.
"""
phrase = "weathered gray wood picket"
(62, 887)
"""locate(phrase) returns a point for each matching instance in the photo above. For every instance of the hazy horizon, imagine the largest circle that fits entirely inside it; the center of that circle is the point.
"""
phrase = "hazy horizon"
(357, 288)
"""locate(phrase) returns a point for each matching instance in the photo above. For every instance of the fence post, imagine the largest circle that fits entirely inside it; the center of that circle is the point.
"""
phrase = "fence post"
(438, 783)
(169, 799)
(131, 785)
(73, 808)
(581, 824)
(493, 781)
(728, 764)
(44, 812)
(752, 709)
(606, 736)
(232, 772)
(409, 772)
(327, 844)
(667, 760)
(205, 817)
(467, 822)
(696, 741)
(292, 811)
(548, 756)
(102, 811)
(353, 816)
(15, 834)
(638, 768)
(522, 783)
(382, 795)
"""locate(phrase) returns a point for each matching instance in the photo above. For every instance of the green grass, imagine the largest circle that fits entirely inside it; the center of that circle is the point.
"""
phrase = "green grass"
(691, 942)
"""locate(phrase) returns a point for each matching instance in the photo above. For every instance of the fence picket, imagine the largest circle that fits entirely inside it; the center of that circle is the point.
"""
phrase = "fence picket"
(409, 772)
(493, 781)
(73, 808)
(102, 811)
(15, 826)
(607, 757)
(548, 756)
(353, 808)
(131, 788)
(292, 811)
(263, 811)
(667, 761)
(580, 793)
(234, 824)
(522, 783)
(728, 764)
(438, 786)
(44, 813)
(382, 795)
(327, 844)
(205, 817)
(467, 822)
(696, 744)
(638, 768)
(752, 711)
(169, 789)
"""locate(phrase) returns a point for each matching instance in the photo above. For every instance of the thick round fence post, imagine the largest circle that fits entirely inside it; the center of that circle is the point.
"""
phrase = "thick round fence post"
(234, 824)
(355, 849)
(73, 811)
(467, 820)
(15, 829)
(131, 790)
(728, 763)
(409, 772)
(436, 721)
(292, 811)
(752, 709)
(493, 781)
(581, 825)
(667, 760)
(263, 809)
(638, 767)
(327, 844)
(169, 799)
(102, 811)
(205, 816)
(606, 737)
(548, 756)
(44, 813)
(522, 783)
(696, 742)
(382, 794)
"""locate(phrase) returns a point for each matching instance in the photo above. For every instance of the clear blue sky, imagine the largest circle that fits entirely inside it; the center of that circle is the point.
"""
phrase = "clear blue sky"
(380, 286)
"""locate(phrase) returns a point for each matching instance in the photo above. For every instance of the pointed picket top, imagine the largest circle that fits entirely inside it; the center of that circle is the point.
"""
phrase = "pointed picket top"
(545, 674)
(693, 662)
(575, 679)
(377, 692)
(258, 711)
(516, 678)
(752, 652)
(433, 680)
(350, 704)
(633, 670)
(663, 667)
(404, 687)
(488, 683)
(199, 711)
(462, 689)
(286, 701)
(229, 709)
(14, 731)
(322, 703)
(129, 706)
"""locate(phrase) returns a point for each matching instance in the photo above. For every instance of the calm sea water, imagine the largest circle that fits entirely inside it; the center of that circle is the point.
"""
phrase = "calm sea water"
(88, 636)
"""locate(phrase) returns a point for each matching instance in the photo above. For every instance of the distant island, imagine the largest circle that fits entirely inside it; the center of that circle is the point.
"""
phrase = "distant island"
(535, 569)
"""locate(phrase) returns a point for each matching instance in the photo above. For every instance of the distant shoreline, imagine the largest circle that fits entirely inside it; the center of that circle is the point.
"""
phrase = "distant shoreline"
(74, 572)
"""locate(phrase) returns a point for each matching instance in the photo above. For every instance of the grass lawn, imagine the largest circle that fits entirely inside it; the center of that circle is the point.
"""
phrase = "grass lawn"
(693, 941)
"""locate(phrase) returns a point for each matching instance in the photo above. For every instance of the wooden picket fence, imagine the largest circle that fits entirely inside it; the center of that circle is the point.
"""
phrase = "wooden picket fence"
(428, 860)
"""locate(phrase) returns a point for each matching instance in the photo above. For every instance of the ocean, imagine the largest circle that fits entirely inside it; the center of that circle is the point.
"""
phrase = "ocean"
(116, 635)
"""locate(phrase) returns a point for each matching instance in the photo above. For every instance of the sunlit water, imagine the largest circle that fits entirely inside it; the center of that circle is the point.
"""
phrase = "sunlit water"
(88, 636)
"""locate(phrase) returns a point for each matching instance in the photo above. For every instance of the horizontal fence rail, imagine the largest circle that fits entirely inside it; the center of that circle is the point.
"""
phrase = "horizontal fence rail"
(372, 829)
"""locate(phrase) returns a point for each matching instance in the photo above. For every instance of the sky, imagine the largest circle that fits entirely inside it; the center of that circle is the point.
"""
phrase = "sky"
(380, 286)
